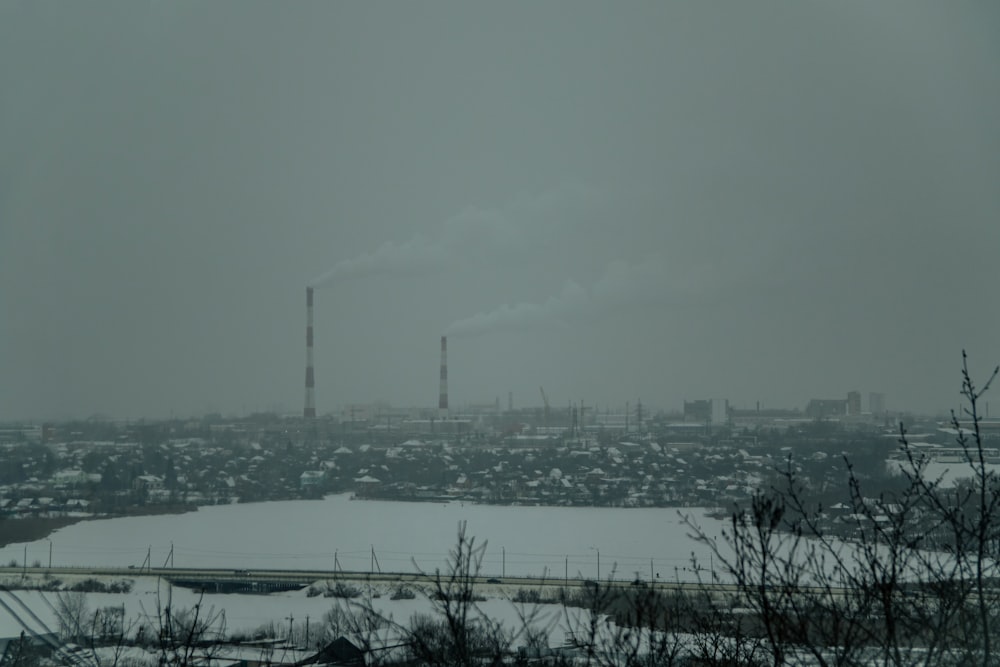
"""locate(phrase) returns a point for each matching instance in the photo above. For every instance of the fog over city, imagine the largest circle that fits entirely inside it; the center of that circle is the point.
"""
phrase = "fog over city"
(757, 201)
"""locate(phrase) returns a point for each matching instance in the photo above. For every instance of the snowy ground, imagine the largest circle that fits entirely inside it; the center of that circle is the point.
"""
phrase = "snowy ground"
(34, 611)
(518, 540)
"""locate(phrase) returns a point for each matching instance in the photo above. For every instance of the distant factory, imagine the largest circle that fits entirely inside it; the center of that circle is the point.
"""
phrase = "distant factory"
(574, 420)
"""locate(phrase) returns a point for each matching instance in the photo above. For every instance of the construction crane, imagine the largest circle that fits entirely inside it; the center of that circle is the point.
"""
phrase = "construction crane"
(545, 400)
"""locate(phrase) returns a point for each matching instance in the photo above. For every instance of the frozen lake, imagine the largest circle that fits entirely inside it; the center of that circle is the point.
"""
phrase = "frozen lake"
(537, 541)
(520, 540)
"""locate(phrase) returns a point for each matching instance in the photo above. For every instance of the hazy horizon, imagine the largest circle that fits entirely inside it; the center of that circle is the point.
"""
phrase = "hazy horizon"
(662, 201)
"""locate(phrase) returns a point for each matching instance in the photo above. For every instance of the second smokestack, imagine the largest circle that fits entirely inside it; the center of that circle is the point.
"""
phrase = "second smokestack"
(443, 394)
(309, 411)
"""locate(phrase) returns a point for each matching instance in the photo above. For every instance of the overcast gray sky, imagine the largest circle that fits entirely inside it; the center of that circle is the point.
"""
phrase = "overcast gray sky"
(759, 201)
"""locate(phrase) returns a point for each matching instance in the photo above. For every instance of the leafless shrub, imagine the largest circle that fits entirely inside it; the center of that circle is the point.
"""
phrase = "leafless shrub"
(342, 590)
(911, 583)
(182, 636)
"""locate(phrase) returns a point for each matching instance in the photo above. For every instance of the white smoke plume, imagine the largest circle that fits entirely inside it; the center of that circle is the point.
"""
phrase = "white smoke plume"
(571, 300)
(474, 235)
(623, 285)
(414, 257)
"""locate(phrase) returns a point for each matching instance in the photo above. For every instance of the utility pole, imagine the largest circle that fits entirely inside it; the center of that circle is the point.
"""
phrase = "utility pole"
(503, 561)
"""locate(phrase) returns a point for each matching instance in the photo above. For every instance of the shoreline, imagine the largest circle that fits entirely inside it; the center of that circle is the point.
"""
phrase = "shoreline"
(16, 531)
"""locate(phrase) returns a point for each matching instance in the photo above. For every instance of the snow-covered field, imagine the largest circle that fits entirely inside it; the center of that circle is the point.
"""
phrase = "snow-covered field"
(533, 541)
(521, 540)
(245, 613)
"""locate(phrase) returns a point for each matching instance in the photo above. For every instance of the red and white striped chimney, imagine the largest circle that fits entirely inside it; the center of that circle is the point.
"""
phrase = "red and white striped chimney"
(309, 412)
(443, 394)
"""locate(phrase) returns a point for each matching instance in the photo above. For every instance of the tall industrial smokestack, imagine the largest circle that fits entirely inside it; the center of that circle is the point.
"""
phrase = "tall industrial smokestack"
(443, 395)
(309, 412)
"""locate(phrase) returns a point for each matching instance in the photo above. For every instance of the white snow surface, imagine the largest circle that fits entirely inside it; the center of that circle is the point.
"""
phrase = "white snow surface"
(246, 613)
(553, 542)
(520, 540)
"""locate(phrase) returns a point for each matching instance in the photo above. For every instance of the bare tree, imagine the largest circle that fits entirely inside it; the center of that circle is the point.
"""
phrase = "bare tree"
(73, 615)
(455, 632)
(909, 578)
(968, 519)
(182, 636)
(632, 626)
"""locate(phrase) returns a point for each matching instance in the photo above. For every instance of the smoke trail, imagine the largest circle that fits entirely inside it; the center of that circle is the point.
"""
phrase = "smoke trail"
(623, 285)
(475, 235)
(572, 299)
(414, 257)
